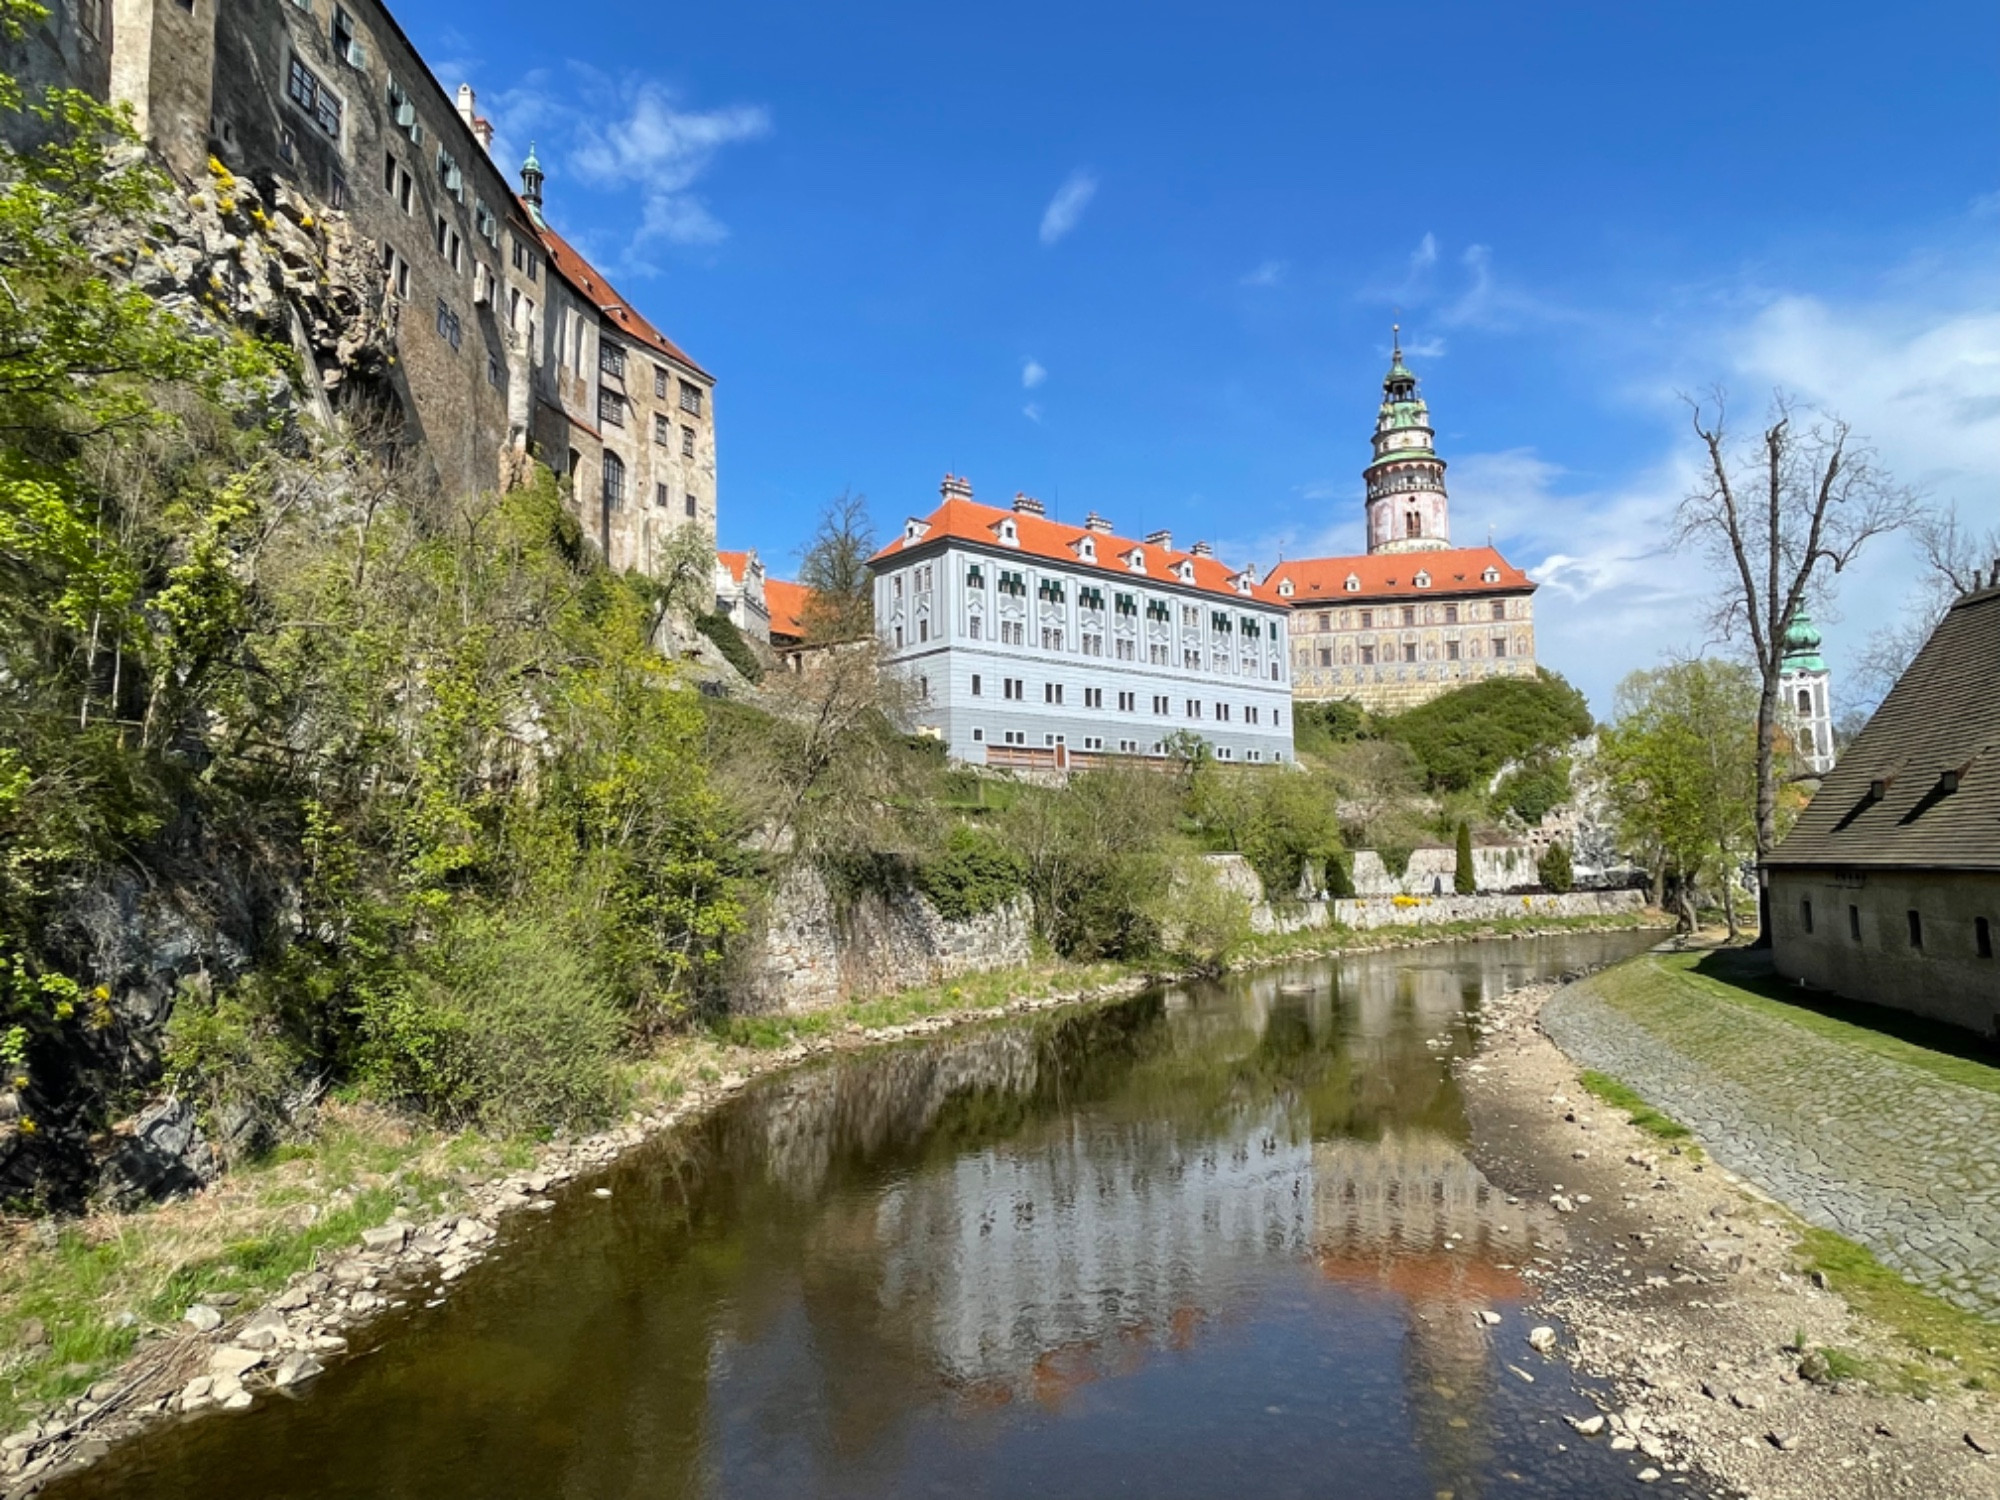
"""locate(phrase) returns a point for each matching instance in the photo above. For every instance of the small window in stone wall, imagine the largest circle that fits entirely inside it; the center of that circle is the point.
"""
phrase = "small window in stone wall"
(1916, 929)
(1805, 915)
(693, 505)
(1982, 936)
(1854, 923)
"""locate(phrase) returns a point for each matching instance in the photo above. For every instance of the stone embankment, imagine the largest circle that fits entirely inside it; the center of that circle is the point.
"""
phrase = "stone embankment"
(1888, 1155)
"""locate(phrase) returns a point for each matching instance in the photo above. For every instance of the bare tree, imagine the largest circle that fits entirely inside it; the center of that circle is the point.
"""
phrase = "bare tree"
(1955, 559)
(1774, 517)
(841, 606)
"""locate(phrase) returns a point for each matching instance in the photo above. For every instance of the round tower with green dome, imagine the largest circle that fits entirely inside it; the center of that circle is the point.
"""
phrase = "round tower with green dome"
(1407, 508)
(1805, 692)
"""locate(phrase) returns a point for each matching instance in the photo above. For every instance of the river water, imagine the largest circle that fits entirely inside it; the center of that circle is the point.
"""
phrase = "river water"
(1219, 1240)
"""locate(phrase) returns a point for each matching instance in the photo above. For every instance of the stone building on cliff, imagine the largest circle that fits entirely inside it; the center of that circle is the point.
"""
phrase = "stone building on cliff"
(1413, 616)
(505, 343)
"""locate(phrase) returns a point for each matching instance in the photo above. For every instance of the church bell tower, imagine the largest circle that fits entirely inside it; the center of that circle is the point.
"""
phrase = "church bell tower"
(1407, 508)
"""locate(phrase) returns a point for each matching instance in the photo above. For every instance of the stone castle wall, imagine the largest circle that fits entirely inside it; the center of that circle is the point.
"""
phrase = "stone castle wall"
(811, 950)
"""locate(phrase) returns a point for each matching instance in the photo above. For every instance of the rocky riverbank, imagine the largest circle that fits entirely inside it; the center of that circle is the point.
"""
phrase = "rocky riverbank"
(1680, 1285)
(225, 1353)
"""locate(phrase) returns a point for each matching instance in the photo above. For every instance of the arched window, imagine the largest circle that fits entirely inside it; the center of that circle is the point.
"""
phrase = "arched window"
(614, 482)
(1805, 702)
(1413, 525)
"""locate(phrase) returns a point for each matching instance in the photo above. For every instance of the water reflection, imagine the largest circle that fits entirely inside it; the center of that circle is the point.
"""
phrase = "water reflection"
(1221, 1236)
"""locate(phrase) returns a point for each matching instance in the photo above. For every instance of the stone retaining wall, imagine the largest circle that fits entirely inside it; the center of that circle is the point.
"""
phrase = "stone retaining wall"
(810, 951)
(1421, 911)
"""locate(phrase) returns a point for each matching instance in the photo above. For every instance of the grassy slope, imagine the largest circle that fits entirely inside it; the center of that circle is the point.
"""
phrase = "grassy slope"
(1696, 999)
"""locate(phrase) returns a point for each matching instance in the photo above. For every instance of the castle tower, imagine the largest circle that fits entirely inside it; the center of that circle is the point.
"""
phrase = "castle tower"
(1407, 509)
(1806, 695)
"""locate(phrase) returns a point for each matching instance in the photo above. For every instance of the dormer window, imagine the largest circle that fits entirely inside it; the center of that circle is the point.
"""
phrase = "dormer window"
(1086, 550)
(1422, 580)
(1136, 560)
(913, 529)
(1010, 535)
(1353, 584)
(1242, 582)
(1284, 588)
(1184, 570)
(1491, 575)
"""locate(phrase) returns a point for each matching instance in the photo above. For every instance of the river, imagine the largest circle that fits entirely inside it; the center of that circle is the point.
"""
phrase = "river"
(1218, 1240)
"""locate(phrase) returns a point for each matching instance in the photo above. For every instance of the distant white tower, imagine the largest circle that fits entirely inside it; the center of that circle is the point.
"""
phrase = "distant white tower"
(1407, 509)
(1805, 689)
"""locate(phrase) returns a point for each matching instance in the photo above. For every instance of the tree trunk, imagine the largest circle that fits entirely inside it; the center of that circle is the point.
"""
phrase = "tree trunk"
(1767, 791)
(1729, 898)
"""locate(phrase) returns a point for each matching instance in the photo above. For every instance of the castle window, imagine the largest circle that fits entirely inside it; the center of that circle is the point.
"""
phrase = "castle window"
(1916, 929)
(1367, 619)
(611, 408)
(687, 442)
(690, 398)
(662, 496)
(320, 103)
(1854, 923)
(1805, 915)
(1409, 615)
(1499, 609)
(1499, 645)
(611, 358)
(448, 325)
(1982, 937)
(1805, 701)
(659, 382)
(345, 47)
(1413, 525)
(1451, 650)
(614, 482)
(1451, 614)
(663, 430)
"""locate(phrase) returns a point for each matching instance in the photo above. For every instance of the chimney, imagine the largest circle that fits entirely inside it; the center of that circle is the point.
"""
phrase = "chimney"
(1095, 522)
(956, 487)
(1164, 540)
(1995, 582)
(1026, 505)
(1202, 549)
(465, 110)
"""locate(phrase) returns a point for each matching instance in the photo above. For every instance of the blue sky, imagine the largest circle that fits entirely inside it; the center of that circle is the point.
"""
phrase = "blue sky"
(1143, 258)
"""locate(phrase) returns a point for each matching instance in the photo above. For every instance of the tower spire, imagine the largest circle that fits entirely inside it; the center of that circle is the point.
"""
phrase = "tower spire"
(1407, 509)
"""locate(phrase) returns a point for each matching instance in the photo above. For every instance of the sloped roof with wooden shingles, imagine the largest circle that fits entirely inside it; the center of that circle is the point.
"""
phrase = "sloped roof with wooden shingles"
(1920, 787)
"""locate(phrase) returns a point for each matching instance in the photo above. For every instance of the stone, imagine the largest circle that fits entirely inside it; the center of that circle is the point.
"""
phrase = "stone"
(600, 1192)
(1784, 1442)
(292, 1298)
(202, 1318)
(104, 1390)
(1489, 1318)
(385, 1239)
(296, 1369)
(1588, 1426)
(1649, 1475)
(265, 1330)
(1982, 1442)
(196, 1391)
(34, 1333)
(1542, 1339)
(233, 1363)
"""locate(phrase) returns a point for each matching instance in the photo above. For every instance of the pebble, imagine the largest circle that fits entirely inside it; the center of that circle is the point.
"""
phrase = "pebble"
(600, 1192)
(1588, 1426)
(1542, 1339)
(202, 1318)
(1648, 1475)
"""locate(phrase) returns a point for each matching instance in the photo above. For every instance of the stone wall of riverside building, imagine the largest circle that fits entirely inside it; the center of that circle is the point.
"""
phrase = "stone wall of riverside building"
(810, 949)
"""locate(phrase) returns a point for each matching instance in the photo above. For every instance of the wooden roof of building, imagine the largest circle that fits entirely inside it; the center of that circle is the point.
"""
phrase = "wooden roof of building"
(1920, 787)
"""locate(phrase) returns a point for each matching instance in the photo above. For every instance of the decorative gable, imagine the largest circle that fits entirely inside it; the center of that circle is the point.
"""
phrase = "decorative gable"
(1284, 588)
(1353, 584)
(1136, 559)
(1184, 570)
(1491, 575)
(1422, 580)
(1085, 548)
(1007, 533)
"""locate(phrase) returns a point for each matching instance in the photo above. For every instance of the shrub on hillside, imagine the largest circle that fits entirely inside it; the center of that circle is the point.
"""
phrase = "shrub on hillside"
(974, 873)
(1463, 737)
(1530, 790)
(500, 1025)
(721, 630)
(1464, 880)
(1555, 870)
(1097, 855)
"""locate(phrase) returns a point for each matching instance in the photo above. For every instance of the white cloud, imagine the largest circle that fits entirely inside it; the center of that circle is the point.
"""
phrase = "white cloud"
(636, 138)
(1066, 208)
(1428, 348)
(1270, 273)
(1032, 374)
(1425, 255)
(1032, 411)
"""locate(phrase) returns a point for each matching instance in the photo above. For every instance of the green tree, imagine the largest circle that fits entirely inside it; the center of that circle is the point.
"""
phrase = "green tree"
(1464, 880)
(1681, 766)
(1554, 870)
(1461, 739)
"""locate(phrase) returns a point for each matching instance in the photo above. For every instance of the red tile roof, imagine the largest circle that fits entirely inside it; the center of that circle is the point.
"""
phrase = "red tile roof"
(969, 521)
(786, 603)
(1454, 570)
(737, 562)
(610, 301)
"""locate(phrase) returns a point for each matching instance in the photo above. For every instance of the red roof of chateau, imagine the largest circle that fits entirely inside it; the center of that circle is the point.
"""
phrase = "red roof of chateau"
(969, 521)
(610, 301)
(1451, 570)
(737, 563)
(786, 604)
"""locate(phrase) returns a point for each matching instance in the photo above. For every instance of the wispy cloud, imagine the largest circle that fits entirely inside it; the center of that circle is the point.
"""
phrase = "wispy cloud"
(1066, 208)
(1032, 411)
(1426, 348)
(1032, 373)
(1270, 273)
(636, 138)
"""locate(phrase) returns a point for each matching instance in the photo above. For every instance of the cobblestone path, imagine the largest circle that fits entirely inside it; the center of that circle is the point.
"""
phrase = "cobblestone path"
(1887, 1154)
